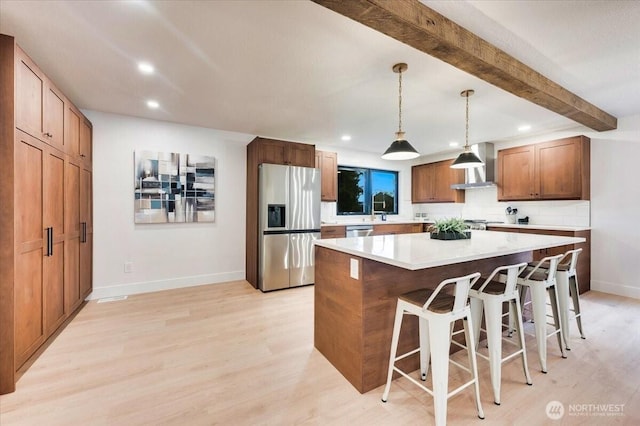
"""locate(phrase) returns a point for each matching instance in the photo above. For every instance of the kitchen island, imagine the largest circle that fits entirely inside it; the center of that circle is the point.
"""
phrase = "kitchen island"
(358, 280)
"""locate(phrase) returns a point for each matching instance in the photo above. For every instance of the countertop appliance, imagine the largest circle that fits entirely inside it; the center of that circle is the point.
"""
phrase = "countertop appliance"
(289, 223)
(359, 230)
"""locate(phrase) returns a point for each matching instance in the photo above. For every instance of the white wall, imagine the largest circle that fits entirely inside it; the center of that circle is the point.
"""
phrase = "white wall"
(163, 255)
(369, 160)
(615, 209)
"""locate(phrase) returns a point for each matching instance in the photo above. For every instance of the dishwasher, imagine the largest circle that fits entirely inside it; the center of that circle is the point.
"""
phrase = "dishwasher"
(359, 230)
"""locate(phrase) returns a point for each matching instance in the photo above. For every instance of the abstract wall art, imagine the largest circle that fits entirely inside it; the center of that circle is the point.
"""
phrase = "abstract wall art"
(174, 188)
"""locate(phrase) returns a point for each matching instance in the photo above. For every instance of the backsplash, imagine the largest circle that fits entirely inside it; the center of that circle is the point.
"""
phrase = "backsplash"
(480, 203)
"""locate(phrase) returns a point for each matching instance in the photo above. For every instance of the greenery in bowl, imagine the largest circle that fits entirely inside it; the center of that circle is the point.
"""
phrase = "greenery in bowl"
(455, 226)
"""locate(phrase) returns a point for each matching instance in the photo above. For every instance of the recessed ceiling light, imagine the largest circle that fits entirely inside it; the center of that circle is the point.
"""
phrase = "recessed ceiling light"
(153, 104)
(145, 68)
(452, 144)
(524, 128)
(346, 138)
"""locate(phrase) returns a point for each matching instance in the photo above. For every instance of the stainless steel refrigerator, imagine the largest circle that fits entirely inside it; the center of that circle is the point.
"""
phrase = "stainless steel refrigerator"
(289, 218)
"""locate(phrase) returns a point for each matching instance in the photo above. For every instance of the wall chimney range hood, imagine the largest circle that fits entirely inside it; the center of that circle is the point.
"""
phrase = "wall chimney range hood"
(480, 177)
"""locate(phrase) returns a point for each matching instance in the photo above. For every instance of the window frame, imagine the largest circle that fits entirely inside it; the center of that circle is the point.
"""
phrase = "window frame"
(368, 183)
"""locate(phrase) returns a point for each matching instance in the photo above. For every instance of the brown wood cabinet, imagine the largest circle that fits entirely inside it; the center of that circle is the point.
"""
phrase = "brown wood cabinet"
(45, 196)
(431, 183)
(281, 152)
(396, 228)
(327, 162)
(259, 151)
(555, 170)
(40, 106)
(583, 269)
(337, 231)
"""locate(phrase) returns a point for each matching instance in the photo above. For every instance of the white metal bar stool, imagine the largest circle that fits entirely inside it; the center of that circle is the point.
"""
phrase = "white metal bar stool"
(541, 280)
(437, 312)
(490, 296)
(567, 282)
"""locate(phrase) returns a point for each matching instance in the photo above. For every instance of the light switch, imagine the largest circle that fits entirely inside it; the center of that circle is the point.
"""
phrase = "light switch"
(354, 269)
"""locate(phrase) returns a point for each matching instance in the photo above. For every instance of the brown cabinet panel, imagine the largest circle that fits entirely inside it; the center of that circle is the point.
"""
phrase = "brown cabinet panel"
(300, 154)
(272, 152)
(72, 131)
(29, 326)
(327, 162)
(555, 170)
(338, 231)
(53, 116)
(30, 89)
(397, 228)
(516, 173)
(431, 183)
(86, 141)
(72, 231)
(86, 233)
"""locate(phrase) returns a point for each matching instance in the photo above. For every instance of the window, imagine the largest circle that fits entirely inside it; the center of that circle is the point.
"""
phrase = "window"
(360, 190)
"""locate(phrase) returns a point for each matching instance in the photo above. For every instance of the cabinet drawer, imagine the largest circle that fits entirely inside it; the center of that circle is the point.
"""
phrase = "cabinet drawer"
(333, 232)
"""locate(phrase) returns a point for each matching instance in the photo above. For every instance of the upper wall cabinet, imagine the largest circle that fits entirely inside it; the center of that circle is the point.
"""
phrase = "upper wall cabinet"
(39, 104)
(280, 152)
(555, 170)
(431, 183)
(327, 162)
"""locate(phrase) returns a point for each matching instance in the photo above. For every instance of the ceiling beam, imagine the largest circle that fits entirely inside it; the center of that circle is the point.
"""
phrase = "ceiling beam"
(421, 27)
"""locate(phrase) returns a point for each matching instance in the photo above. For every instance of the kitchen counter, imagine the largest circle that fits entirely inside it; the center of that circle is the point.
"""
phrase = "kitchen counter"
(374, 222)
(543, 227)
(418, 251)
(358, 281)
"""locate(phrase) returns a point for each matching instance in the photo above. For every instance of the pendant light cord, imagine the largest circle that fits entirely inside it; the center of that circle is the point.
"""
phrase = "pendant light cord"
(466, 129)
(400, 102)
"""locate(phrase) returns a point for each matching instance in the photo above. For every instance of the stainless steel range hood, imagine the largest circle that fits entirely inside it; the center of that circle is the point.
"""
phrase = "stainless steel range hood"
(480, 177)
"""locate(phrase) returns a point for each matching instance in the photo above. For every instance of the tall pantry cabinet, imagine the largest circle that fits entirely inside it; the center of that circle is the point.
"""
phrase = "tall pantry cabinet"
(45, 211)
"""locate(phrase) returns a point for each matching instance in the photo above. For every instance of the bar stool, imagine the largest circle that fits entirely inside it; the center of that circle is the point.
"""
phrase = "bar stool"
(490, 295)
(567, 282)
(437, 312)
(540, 280)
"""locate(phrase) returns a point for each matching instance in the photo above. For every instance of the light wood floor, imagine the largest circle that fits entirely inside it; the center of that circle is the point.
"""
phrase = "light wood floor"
(228, 354)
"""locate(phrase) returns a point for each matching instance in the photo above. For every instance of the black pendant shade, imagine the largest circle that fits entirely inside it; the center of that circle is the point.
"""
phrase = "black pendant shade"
(400, 149)
(467, 160)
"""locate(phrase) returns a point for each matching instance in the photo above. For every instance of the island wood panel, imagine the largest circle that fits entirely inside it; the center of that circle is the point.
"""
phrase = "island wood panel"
(367, 304)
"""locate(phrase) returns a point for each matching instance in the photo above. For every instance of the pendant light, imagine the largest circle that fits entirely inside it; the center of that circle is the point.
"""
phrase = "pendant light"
(400, 149)
(467, 159)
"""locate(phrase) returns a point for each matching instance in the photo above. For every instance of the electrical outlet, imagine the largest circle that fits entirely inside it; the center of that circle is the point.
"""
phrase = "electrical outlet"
(128, 267)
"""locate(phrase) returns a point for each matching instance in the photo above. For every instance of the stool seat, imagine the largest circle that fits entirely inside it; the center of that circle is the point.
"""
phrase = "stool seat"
(545, 265)
(442, 303)
(537, 275)
(492, 287)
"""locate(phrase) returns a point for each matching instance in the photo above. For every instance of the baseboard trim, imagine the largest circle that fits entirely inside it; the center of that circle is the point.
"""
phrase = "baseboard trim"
(128, 289)
(617, 289)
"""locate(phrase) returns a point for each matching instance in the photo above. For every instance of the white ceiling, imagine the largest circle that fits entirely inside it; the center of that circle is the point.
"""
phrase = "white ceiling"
(296, 71)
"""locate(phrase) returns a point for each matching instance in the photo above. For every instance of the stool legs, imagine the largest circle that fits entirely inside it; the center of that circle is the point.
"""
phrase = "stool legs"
(562, 285)
(425, 349)
(493, 321)
(514, 305)
(394, 349)
(439, 337)
(574, 290)
(539, 307)
(473, 362)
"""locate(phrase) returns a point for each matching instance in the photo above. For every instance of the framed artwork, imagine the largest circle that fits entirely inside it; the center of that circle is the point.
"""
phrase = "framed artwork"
(174, 188)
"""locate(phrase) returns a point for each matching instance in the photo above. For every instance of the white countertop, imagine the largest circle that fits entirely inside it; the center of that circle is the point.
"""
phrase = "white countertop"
(375, 222)
(545, 227)
(418, 251)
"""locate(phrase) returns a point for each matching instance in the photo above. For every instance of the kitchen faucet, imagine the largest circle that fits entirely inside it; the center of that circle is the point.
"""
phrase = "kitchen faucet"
(373, 207)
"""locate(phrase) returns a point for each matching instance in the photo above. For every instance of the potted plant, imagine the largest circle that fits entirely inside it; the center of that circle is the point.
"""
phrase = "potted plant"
(450, 229)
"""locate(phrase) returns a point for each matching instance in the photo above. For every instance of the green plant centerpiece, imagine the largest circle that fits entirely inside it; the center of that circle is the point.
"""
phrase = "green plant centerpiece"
(450, 229)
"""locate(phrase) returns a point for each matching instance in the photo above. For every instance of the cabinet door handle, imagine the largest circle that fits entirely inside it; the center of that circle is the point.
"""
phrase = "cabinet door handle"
(49, 242)
(82, 155)
(83, 232)
(49, 135)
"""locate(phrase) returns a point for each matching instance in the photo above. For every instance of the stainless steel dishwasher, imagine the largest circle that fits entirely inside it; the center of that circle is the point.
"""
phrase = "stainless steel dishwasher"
(359, 230)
